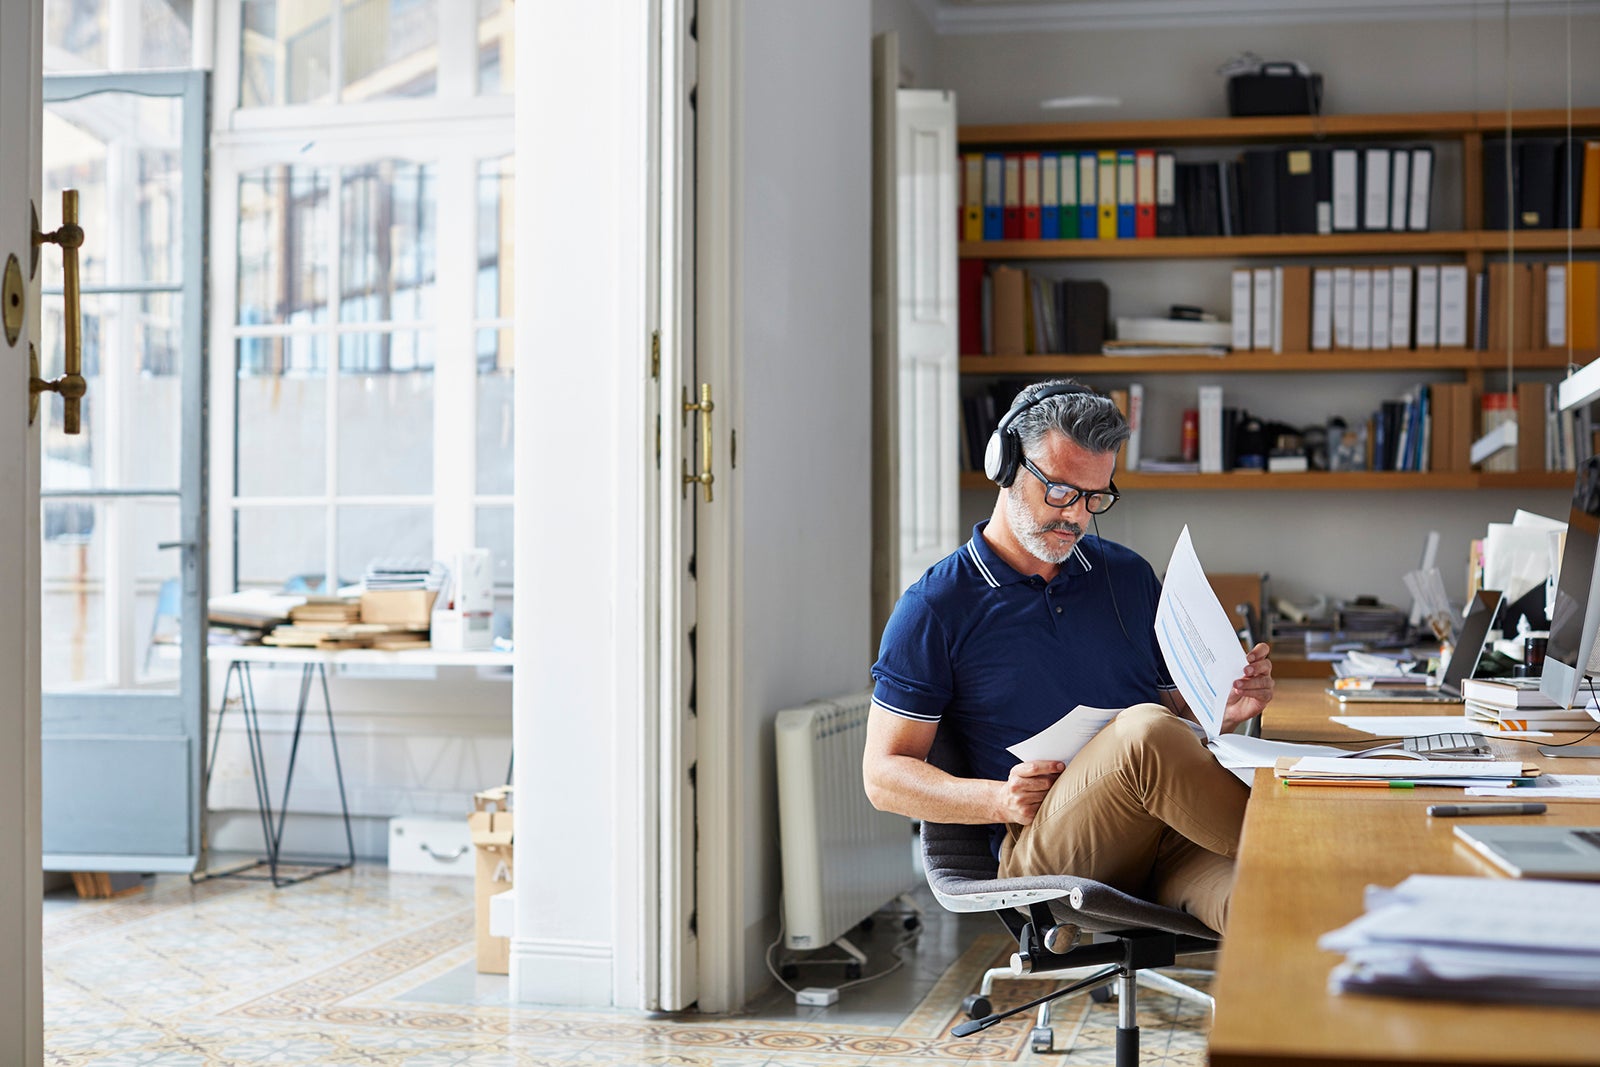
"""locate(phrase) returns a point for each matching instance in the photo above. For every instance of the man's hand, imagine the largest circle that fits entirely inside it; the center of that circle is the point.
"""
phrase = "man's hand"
(1252, 692)
(1023, 790)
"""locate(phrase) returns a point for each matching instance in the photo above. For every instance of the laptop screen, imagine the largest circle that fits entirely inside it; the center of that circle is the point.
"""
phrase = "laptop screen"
(1469, 646)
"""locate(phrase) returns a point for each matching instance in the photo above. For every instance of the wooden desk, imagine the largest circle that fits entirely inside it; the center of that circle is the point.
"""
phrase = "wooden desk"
(1305, 860)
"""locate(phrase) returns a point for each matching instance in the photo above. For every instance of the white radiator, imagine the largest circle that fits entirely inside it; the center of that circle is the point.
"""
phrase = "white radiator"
(842, 858)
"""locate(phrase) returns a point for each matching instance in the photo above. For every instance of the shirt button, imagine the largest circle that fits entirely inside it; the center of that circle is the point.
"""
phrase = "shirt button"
(1058, 611)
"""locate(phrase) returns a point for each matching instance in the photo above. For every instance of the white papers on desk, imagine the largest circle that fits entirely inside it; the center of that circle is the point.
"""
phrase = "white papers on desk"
(1324, 767)
(1417, 725)
(1242, 755)
(1483, 939)
(1548, 786)
(1065, 737)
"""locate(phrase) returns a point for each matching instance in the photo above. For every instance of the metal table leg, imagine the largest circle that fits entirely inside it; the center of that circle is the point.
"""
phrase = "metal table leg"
(273, 835)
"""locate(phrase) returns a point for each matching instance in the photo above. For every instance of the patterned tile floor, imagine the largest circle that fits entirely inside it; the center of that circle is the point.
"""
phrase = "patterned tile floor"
(364, 968)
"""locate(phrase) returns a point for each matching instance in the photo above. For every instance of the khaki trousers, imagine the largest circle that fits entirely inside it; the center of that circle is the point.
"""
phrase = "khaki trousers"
(1145, 808)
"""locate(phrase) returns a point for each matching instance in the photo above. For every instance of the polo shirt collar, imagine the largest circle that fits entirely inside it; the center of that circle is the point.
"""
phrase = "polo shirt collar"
(996, 572)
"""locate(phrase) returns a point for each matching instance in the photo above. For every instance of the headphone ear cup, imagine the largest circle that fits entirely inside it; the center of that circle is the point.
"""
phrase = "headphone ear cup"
(998, 464)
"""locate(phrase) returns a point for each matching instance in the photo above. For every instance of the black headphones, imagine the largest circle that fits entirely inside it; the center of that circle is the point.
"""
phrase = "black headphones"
(1003, 455)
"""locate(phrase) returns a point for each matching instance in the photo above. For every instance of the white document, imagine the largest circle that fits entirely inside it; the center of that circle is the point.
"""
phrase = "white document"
(1197, 638)
(1065, 737)
(1416, 725)
(1574, 786)
(1325, 767)
(1515, 558)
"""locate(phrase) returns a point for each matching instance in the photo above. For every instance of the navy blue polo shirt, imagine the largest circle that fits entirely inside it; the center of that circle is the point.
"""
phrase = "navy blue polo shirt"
(999, 655)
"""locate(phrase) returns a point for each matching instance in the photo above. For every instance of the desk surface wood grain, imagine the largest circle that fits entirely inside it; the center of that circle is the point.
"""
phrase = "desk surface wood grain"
(1305, 860)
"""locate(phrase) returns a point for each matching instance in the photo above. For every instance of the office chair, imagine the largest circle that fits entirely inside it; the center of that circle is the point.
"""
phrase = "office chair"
(1129, 935)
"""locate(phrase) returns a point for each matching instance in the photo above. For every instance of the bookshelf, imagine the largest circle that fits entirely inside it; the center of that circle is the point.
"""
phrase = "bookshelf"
(1470, 246)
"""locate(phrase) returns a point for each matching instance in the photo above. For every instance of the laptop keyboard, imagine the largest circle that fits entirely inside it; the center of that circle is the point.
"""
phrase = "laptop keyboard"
(1461, 745)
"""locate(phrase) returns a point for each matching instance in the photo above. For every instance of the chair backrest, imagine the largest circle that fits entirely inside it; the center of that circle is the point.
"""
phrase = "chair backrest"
(952, 849)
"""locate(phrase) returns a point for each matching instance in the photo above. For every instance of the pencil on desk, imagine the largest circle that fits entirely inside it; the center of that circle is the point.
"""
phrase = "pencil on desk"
(1352, 783)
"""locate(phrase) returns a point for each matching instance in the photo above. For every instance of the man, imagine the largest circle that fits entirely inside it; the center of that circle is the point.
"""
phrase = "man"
(1025, 622)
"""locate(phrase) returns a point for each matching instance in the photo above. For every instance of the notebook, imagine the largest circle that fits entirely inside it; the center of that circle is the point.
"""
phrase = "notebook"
(1538, 851)
(1469, 649)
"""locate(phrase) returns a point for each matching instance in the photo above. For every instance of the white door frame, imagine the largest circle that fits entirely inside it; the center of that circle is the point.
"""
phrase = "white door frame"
(21, 883)
(722, 810)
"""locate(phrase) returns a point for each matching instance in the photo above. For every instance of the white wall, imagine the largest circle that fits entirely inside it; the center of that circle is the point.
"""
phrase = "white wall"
(804, 412)
(1334, 543)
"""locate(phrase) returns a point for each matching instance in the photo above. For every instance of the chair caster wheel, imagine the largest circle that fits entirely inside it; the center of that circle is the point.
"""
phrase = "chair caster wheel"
(852, 970)
(976, 1006)
(1041, 1039)
(789, 970)
(1102, 995)
(911, 922)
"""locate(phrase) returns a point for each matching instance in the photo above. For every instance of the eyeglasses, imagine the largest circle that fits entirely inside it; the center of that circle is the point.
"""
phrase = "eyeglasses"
(1062, 495)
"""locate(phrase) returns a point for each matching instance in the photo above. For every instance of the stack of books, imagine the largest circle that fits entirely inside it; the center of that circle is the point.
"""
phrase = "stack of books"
(403, 574)
(244, 617)
(1518, 704)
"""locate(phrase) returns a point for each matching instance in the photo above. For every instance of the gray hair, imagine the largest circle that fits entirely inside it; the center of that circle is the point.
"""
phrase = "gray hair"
(1087, 419)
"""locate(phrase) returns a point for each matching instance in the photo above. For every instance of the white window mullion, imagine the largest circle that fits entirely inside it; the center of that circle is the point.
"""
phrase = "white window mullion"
(458, 51)
(335, 61)
(455, 453)
(330, 415)
(224, 238)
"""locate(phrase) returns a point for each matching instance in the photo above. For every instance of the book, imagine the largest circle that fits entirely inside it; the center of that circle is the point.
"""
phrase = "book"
(1174, 331)
(1210, 404)
(1506, 692)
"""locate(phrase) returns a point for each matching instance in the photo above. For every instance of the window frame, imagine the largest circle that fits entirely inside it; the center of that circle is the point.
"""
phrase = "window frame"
(454, 132)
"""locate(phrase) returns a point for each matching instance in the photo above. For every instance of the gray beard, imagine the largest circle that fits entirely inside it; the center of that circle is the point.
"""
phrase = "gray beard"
(1032, 535)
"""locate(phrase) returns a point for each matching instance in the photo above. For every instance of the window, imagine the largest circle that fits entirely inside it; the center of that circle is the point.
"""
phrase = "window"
(366, 268)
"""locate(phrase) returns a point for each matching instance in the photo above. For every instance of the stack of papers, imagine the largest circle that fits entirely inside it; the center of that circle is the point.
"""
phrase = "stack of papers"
(1547, 787)
(403, 574)
(1479, 939)
(1421, 771)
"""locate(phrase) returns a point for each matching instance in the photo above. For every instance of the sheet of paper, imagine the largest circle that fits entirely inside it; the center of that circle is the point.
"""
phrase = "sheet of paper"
(1065, 737)
(1196, 637)
(1573, 786)
(1515, 558)
(1416, 725)
(1237, 750)
(1325, 767)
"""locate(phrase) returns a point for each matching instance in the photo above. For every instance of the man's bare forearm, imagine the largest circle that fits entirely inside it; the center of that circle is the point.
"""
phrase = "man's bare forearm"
(917, 789)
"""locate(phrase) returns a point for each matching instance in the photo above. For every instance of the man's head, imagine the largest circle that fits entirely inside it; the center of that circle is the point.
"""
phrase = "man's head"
(1066, 442)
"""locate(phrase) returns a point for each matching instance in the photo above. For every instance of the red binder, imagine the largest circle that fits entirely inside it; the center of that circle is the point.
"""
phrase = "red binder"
(1013, 200)
(1145, 192)
(969, 312)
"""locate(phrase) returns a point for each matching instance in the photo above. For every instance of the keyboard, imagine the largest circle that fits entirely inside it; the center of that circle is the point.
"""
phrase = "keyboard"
(1449, 746)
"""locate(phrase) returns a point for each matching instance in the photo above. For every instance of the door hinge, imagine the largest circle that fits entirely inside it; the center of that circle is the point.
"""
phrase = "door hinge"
(658, 440)
(733, 448)
(655, 353)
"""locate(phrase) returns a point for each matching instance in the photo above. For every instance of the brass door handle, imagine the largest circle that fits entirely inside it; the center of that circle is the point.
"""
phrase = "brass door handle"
(704, 407)
(70, 385)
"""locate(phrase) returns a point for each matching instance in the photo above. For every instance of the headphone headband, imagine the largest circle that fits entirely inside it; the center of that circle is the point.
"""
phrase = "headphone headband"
(1003, 455)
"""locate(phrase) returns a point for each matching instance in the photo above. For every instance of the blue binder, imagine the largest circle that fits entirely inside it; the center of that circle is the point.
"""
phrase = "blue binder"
(1127, 209)
(1088, 198)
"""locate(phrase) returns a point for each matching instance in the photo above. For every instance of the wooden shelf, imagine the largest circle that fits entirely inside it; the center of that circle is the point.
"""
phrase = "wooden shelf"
(1417, 125)
(1332, 244)
(1271, 362)
(1325, 481)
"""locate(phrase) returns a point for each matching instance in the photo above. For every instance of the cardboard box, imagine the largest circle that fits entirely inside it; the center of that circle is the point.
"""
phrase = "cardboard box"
(399, 607)
(491, 828)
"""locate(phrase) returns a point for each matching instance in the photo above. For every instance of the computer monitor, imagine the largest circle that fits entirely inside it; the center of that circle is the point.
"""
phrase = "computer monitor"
(1576, 615)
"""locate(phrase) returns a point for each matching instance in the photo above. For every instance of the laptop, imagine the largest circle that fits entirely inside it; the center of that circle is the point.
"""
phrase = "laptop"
(1538, 851)
(1469, 650)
